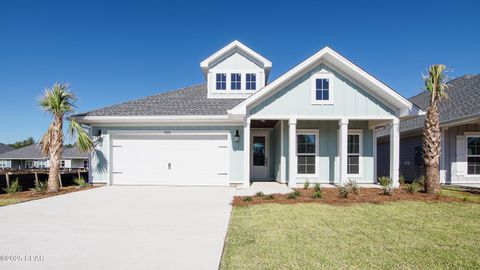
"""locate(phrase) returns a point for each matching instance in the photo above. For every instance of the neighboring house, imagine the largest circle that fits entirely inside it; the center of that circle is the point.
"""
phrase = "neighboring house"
(315, 123)
(460, 130)
(31, 157)
(5, 148)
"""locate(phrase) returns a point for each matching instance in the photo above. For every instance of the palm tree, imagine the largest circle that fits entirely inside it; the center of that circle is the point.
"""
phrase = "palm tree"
(59, 102)
(435, 85)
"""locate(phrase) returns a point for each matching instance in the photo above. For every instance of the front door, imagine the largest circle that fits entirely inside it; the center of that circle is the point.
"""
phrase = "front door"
(259, 156)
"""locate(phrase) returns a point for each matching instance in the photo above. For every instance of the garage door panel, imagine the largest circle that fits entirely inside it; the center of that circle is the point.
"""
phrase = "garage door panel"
(170, 160)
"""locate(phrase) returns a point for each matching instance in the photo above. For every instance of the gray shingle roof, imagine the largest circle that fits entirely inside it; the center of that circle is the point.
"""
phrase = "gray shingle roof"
(33, 152)
(5, 148)
(191, 100)
(463, 100)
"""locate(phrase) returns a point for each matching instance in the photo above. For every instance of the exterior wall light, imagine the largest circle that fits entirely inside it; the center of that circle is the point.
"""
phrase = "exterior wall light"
(237, 136)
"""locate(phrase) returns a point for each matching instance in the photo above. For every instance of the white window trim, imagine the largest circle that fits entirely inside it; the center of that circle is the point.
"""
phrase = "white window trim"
(241, 84)
(309, 132)
(470, 135)
(313, 90)
(86, 164)
(358, 132)
(64, 163)
(226, 81)
(256, 82)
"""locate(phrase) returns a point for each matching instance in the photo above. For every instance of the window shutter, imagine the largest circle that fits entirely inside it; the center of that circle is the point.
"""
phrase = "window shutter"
(461, 155)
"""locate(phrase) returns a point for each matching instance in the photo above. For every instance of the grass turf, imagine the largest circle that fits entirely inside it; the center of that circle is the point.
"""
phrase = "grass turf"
(5, 202)
(400, 235)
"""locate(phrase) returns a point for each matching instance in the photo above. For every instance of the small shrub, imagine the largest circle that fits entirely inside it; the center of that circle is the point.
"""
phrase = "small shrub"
(411, 188)
(465, 198)
(306, 185)
(385, 181)
(420, 181)
(317, 195)
(317, 188)
(13, 188)
(259, 194)
(40, 186)
(352, 187)
(79, 181)
(293, 195)
(248, 199)
(343, 192)
(269, 197)
(401, 179)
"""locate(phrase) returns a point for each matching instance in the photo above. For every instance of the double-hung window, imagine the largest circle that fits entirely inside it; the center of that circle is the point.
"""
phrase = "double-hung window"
(85, 164)
(353, 153)
(29, 164)
(221, 79)
(473, 155)
(235, 81)
(307, 153)
(3, 164)
(62, 163)
(251, 81)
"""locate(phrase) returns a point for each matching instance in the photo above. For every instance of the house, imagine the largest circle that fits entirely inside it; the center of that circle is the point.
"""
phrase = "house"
(5, 148)
(31, 157)
(316, 122)
(460, 133)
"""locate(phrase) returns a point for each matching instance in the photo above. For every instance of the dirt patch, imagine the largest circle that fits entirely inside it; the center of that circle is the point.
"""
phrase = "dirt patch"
(330, 196)
(33, 195)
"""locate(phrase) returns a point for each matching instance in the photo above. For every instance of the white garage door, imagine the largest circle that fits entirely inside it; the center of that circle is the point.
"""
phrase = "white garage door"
(170, 159)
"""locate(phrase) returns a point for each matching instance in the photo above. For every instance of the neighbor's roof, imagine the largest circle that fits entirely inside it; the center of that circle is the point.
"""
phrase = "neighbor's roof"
(462, 101)
(191, 100)
(33, 152)
(5, 148)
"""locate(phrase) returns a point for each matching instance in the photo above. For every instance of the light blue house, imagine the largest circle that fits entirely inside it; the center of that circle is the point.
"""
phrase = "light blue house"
(317, 122)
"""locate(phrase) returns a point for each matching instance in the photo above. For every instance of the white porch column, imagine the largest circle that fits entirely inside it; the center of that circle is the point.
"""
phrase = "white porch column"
(283, 158)
(292, 153)
(443, 153)
(375, 160)
(246, 153)
(342, 150)
(395, 152)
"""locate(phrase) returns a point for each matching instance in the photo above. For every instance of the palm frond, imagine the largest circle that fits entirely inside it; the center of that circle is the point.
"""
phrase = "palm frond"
(435, 82)
(80, 136)
(46, 140)
(58, 100)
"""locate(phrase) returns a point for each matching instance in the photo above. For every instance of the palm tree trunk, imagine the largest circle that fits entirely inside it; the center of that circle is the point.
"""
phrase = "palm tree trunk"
(56, 149)
(431, 149)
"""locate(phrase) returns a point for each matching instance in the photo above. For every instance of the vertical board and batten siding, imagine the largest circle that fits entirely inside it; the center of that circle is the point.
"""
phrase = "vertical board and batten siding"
(101, 155)
(348, 99)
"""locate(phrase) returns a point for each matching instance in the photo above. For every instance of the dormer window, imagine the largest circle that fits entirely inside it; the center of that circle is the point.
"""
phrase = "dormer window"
(221, 81)
(236, 81)
(322, 88)
(251, 81)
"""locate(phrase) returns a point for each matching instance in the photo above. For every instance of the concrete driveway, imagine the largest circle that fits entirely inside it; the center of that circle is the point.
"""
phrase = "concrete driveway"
(119, 228)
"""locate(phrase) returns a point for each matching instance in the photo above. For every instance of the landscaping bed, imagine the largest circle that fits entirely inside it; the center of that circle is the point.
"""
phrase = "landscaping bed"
(331, 196)
(23, 196)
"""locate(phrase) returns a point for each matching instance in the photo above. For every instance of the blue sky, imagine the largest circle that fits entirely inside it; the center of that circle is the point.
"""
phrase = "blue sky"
(114, 51)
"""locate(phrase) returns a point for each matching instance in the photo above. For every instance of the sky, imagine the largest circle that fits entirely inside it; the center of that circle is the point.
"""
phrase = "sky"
(114, 51)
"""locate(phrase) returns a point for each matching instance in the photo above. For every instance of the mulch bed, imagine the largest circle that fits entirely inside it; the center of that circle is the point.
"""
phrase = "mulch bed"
(33, 195)
(330, 196)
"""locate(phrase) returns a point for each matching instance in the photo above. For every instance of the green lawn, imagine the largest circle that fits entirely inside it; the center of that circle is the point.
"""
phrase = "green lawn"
(400, 235)
(4, 202)
(471, 195)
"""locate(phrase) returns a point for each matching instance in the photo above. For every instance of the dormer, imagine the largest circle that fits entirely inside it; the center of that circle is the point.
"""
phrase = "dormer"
(235, 71)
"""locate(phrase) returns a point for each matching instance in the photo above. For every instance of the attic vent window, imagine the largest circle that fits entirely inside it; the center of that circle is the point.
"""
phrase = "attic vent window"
(251, 83)
(236, 81)
(221, 81)
(322, 88)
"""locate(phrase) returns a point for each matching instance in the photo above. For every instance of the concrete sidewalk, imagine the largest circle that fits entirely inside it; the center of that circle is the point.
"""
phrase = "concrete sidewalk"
(117, 227)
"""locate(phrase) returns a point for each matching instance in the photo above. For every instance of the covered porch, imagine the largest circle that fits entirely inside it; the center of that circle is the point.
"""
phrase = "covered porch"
(330, 151)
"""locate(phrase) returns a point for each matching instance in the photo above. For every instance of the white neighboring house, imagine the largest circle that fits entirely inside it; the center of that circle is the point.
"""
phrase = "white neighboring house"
(31, 157)
(316, 122)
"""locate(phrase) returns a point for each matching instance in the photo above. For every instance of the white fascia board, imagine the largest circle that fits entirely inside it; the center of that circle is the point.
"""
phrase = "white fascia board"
(205, 64)
(153, 119)
(406, 108)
